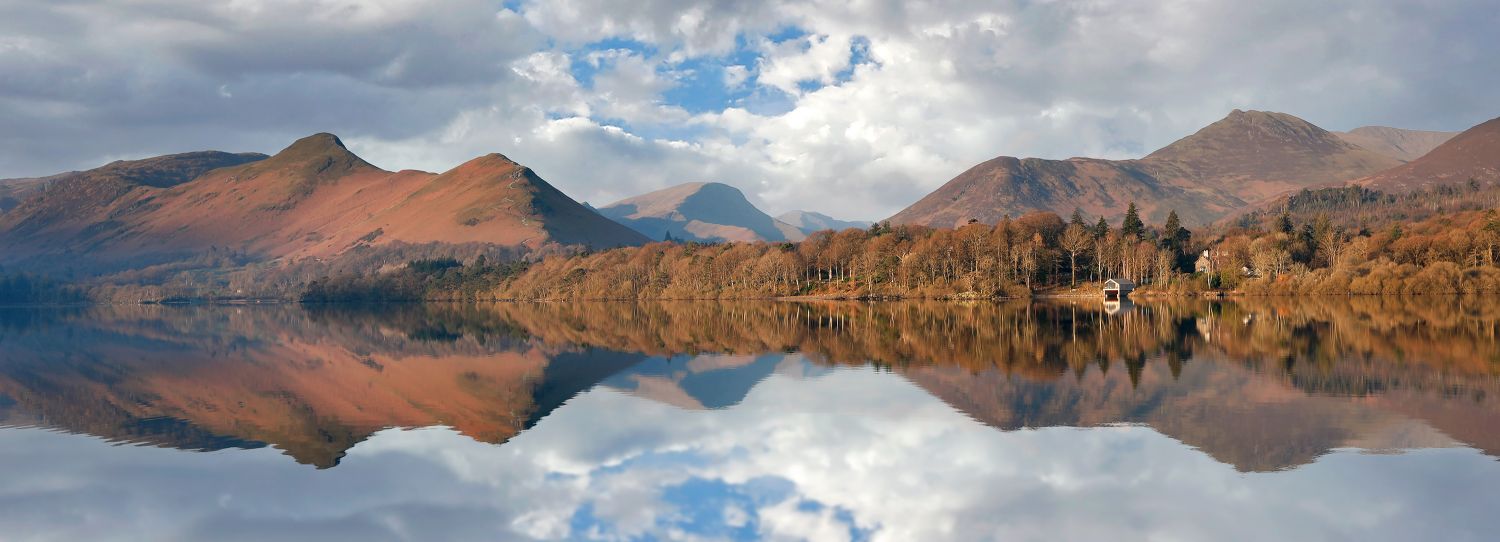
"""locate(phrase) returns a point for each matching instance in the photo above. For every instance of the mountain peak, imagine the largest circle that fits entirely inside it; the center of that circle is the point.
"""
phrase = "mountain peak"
(492, 162)
(700, 211)
(1271, 123)
(319, 142)
(1255, 155)
(321, 155)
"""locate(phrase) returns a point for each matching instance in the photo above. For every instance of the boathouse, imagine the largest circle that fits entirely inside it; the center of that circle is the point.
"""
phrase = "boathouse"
(1117, 289)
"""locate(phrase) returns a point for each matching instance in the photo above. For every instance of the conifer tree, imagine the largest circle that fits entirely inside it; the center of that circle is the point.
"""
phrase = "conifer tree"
(1132, 225)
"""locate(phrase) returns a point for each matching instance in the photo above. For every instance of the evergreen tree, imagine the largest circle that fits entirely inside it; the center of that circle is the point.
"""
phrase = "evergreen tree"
(1171, 230)
(1132, 225)
(1101, 228)
(1077, 219)
(1175, 239)
(1284, 223)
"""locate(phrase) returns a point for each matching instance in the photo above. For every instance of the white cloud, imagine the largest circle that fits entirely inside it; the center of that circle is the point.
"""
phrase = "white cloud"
(947, 84)
(815, 59)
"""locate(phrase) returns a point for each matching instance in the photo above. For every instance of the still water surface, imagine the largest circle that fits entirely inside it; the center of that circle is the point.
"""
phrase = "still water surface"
(1277, 419)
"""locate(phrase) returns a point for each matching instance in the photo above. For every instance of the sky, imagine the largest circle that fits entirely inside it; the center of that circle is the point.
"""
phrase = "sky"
(851, 108)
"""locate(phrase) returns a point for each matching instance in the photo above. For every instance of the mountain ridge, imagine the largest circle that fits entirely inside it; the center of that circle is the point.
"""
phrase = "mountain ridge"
(1247, 156)
(314, 199)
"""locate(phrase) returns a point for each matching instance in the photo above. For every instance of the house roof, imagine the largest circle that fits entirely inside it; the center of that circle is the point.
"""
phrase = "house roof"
(1119, 283)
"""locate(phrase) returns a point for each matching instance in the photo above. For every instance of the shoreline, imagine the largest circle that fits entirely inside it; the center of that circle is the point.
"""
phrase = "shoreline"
(1050, 296)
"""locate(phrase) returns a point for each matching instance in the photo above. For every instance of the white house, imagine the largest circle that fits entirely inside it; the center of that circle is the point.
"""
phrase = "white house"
(1117, 289)
(1205, 263)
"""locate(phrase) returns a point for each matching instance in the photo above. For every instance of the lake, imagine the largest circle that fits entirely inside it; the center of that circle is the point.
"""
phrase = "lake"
(1259, 419)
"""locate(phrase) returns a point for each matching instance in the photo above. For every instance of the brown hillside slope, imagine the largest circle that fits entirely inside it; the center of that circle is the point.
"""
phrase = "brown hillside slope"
(1246, 157)
(1404, 145)
(50, 206)
(1259, 154)
(313, 199)
(1472, 154)
(1011, 186)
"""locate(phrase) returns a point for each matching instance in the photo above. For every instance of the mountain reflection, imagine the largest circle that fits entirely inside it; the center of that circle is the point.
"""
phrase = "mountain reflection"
(1260, 384)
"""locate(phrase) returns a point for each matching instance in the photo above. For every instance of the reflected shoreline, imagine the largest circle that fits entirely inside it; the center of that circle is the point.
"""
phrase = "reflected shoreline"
(1263, 385)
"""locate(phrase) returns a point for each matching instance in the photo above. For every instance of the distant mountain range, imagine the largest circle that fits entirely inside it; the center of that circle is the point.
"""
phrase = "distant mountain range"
(317, 200)
(1246, 157)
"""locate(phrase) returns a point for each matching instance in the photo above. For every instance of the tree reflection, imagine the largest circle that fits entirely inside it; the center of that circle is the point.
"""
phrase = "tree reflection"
(1261, 384)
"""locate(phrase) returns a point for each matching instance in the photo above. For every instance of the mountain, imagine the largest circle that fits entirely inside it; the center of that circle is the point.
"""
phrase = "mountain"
(1403, 145)
(1014, 186)
(313, 199)
(808, 222)
(1472, 154)
(1245, 157)
(1257, 155)
(707, 212)
(79, 192)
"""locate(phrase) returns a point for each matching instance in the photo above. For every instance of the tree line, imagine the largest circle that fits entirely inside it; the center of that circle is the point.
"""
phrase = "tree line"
(1298, 250)
(1013, 258)
(25, 289)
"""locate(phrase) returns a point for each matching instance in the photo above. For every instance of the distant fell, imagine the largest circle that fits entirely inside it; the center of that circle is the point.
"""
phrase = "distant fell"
(1404, 145)
(809, 221)
(1473, 154)
(707, 212)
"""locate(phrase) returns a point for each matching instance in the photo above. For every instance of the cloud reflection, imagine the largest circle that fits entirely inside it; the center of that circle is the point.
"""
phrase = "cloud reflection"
(853, 454)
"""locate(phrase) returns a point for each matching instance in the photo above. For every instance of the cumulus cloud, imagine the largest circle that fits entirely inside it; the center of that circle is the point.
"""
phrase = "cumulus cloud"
(855, 109)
